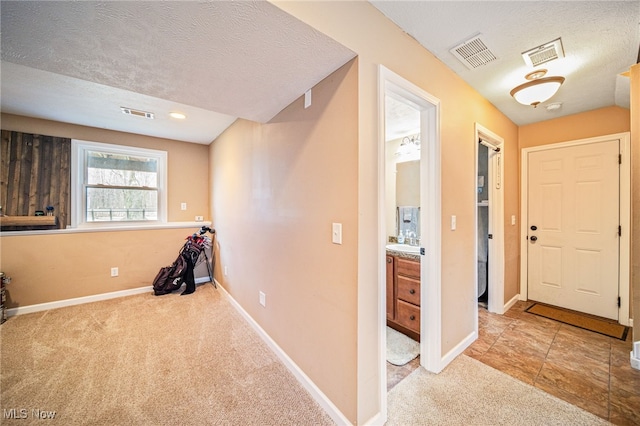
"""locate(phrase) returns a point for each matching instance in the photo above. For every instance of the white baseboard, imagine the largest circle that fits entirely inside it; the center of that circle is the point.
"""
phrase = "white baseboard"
(635, 356)
(511, 302)
(302, 378)
(21, 310)
(458, 349)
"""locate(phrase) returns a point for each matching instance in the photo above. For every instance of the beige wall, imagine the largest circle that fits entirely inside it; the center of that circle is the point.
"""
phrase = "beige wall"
(277, 189)
(59, 265)
(376, 40)
(599, 122)
(187, 168)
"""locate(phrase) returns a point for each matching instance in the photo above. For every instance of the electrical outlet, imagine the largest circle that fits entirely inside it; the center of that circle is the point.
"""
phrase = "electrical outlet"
(226, 272)
(183, 206)
(199, 218)
(114, 272)
(263, 299)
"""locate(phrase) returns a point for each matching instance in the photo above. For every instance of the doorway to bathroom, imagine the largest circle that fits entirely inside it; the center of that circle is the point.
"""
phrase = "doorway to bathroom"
(489, 220)
(410, 204)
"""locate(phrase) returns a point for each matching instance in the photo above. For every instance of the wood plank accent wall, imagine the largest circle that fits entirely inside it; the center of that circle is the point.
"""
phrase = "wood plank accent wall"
(35, 172)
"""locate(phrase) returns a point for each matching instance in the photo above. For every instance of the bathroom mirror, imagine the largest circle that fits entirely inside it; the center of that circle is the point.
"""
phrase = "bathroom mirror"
(408, 197)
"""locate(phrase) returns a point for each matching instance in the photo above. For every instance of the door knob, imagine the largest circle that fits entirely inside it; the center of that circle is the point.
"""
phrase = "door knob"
(534, 238)
(534, 228)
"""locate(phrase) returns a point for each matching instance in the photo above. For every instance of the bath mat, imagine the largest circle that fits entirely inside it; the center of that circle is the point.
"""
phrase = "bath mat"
(400, 348)
(580, 320)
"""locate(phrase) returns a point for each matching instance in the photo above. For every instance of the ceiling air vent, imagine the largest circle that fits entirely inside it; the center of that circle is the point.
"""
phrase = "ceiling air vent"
(473, 53)
(137, 113)
(545, 53)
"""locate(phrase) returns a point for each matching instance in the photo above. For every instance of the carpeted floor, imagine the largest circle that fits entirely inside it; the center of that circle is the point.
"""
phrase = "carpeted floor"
(468, 392)
(147, 360)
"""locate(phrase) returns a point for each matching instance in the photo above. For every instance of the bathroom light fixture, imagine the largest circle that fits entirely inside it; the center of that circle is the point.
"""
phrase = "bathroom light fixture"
(178, 115)
(409, 146)
(538, 89)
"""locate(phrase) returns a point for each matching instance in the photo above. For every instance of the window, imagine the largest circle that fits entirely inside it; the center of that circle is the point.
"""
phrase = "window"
(114, 184)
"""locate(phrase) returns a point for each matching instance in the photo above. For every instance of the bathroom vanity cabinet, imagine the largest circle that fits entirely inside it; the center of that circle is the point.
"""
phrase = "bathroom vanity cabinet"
(403, 295)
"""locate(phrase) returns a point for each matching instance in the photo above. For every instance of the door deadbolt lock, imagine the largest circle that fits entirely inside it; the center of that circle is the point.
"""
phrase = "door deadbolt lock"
(534, 228)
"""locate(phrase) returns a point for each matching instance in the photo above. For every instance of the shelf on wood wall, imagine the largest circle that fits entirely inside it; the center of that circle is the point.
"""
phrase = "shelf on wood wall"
(28, 221)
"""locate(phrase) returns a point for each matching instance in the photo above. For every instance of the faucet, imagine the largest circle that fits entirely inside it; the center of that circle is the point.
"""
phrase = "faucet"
(412, 238)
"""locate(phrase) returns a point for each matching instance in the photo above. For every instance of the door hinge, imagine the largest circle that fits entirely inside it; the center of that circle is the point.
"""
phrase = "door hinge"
(619, 231)
(619, 158)
(490, 236)
(619, 301)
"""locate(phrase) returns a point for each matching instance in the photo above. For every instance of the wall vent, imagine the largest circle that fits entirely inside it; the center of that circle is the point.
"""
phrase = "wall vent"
(473, 53)
(544, 53)
(137, 113)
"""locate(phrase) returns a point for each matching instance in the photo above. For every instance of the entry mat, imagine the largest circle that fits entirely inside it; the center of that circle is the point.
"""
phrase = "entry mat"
(580, 320)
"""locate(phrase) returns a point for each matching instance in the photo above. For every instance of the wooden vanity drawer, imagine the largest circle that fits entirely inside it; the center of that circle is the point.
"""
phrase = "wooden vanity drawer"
(407, 267)
(409, 290)
(408, 315)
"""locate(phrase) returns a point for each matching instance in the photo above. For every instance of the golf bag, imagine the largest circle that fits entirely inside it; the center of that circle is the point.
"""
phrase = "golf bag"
(170, 278)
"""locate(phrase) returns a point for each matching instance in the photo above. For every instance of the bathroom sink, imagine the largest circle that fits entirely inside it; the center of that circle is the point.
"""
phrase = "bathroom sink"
(404, 248)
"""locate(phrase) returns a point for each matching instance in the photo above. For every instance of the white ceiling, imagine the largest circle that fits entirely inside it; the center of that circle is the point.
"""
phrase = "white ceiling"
(600, 39)
(79, 62)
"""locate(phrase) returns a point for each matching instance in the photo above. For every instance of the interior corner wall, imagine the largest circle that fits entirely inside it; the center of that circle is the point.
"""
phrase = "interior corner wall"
(378, 41)
(57, 265)
(277, 188)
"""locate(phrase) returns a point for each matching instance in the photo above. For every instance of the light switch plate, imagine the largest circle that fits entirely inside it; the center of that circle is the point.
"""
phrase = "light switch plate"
(453, 222)
(336, 233)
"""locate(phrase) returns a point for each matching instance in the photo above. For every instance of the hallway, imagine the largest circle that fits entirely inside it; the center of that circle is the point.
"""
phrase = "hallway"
(586, 369)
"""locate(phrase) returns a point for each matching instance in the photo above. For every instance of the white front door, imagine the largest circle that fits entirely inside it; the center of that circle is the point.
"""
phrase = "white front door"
(573, 241)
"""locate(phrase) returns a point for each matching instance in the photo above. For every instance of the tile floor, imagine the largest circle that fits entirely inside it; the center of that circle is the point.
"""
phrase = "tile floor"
(586, 369)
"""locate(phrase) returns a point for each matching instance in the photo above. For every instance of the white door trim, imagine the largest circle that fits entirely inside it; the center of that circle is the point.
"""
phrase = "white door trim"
(625, 215)
(430, 220)
(495, 283)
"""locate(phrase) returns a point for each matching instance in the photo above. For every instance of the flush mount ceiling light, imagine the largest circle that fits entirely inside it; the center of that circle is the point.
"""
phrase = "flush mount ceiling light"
(178, 115)
(538, 89)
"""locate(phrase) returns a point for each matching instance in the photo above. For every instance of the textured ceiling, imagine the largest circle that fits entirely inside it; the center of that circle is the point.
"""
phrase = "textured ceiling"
(79, 62)
(600, 39)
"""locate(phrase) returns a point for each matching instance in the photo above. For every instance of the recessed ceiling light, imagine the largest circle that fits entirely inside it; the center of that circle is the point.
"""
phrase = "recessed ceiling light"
(178, 115)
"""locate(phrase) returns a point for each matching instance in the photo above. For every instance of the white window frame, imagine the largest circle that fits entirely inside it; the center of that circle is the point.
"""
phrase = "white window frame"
(78, 170)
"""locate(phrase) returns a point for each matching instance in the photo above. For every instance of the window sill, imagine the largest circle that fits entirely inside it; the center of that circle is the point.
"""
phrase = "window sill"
(133, 227)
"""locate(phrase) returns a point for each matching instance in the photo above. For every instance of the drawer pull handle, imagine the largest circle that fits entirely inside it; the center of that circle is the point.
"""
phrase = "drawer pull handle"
(412, 317)
(389, 260)
(412, 291)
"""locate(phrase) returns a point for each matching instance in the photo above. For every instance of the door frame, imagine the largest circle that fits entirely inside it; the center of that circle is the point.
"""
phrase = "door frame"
(430, 224)
(625, 215)
(495, 283)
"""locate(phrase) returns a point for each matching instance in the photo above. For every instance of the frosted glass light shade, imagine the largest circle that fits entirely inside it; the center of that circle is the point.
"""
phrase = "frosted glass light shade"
(537, 91)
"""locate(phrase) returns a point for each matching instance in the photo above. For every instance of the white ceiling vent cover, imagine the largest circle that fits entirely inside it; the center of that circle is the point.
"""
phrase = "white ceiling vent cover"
(137, 113)
(545, 53)
(473, 53)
